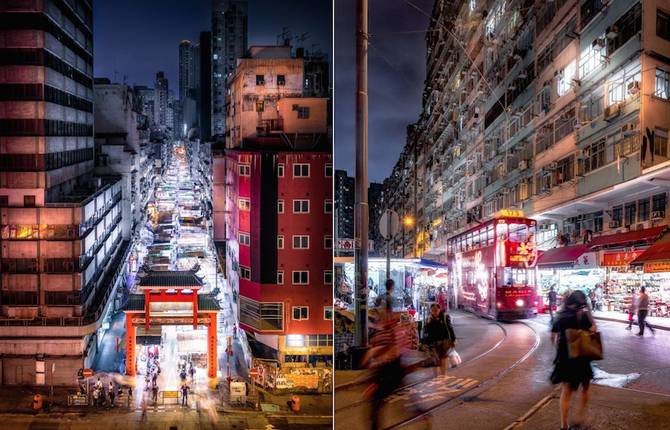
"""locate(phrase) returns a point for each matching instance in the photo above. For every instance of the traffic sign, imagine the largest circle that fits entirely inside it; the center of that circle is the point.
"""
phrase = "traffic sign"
(87, 373)
(253, 373)
(389, 224)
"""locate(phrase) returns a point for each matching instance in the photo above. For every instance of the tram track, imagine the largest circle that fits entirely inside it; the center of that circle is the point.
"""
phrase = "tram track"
(432, 376)
(479, 388)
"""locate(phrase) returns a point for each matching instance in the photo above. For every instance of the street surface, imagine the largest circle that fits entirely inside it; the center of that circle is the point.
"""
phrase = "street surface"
(505, 373)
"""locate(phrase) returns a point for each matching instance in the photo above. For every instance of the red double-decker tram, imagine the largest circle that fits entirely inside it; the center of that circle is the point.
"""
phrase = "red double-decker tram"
(493, 267)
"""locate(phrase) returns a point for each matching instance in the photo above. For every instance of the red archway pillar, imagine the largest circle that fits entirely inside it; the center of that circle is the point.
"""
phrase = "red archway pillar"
(130, 345)
(212, 358)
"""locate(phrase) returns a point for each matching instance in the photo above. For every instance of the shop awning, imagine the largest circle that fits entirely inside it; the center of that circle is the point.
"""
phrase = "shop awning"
(563, 257)
(656, 258)
(629, 238)
(431, 263)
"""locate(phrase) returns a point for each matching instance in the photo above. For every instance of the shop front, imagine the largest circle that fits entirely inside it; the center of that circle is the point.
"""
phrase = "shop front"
(655, 272)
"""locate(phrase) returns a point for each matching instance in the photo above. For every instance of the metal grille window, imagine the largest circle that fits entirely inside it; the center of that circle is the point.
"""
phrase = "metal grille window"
(595, 157)
(658, 203)
(662, 84)
(272, 316)
(617, 214)
(617, 86)
(250, 312)
(624, 29)
(661, 142)
(643, 209)
(662, 25)
(630, 213)
(592, 58)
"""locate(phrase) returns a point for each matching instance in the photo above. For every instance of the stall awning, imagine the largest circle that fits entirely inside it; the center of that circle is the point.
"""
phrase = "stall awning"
(561, 257)
(657, 257)
(645, 236)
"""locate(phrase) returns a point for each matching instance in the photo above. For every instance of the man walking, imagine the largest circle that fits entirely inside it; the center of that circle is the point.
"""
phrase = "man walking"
(184, 395)
(551, 298)
(642, 310)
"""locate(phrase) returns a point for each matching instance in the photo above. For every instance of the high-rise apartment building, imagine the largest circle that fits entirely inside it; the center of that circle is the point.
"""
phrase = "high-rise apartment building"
(556, 108)
(161, 101)
(229, 42)
(204, 107)
(61, 248)
(186, 68)
(275, 182)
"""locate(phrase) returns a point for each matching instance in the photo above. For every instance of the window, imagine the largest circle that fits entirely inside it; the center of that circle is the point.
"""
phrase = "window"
(301, 242)
(303, 112)
(300, 313)
(281, 80)
(617, 86)
(245, 273)
(280, 277)
(564, 171)
(564, 79)
(328, 242)
(260, 106)
(624, 29)
(592, 58)
(328, 170)
(328, 277)
(301, 170)
(658, 205)
(300, 206)
(272, 316)
(630, 214)
(328, 313)
(280, 170)
(244, 169)
(244, 239)
(4, 200)
(244, 204)
(280, 206)
(595, 156)
(660, 142)
(280, 242)
(328, 206)
(29, 201)
(662, 25)
(260, 79)
(662, 84)
(300, 277)
(643, 210)
(617, 214)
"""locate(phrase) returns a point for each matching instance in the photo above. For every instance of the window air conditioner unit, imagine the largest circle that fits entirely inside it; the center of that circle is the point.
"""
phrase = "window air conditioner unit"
(612, 110)
(633, 87)
(657, 215)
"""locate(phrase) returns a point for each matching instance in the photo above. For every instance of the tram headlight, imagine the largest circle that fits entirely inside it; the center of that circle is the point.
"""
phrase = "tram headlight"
(520, 303)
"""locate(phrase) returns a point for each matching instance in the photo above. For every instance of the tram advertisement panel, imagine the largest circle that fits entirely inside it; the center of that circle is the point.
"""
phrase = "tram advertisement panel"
(474, 274)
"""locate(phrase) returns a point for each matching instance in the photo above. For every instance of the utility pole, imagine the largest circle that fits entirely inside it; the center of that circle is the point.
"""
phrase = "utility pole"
(361, 207)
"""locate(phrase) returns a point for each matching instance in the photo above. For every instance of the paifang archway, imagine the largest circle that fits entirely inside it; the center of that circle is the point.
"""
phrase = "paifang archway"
(171, 298)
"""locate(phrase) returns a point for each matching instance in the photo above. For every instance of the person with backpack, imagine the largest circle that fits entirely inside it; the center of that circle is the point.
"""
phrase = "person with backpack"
(439, 335)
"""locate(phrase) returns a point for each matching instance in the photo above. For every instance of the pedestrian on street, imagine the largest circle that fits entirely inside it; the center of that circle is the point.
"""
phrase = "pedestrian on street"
(642, 310)
(551, 298)
(144, 406)
(572, 373)
(184, 395)
(96, 397)
(112, 394)
(442, 299)
(631, 315)
(130, 396)
(154, 394)
(385, 302)
(439, 335)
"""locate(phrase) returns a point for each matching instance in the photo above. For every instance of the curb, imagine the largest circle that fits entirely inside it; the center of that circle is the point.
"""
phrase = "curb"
(655, 326)
(533, 410)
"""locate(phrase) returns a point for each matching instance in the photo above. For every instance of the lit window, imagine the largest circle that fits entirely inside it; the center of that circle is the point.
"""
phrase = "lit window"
(295, 340)
(662, 84)
(592, 58)
(622, 83)
(244, 204)
(564, 79)
(300, 313)
(300, 277)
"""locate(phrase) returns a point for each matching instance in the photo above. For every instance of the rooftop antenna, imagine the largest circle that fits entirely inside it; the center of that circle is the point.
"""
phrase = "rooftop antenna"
(284, 38)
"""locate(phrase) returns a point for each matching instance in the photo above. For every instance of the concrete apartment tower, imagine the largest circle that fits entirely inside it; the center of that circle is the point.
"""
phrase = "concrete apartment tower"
(61, 245)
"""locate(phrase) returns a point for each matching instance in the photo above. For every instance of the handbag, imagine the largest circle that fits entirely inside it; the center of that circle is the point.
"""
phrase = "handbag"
(584, 343)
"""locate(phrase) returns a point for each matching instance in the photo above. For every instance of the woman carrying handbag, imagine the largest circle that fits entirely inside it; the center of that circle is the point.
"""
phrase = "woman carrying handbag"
(578, 343)
(440, 336)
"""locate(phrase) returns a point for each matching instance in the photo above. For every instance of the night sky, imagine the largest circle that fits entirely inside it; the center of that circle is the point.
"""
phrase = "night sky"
(396, 74)
(137, 38)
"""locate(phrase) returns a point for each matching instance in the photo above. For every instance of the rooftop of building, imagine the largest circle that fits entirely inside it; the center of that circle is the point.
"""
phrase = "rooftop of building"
(171, 279)
(206, 303)
(284, 143)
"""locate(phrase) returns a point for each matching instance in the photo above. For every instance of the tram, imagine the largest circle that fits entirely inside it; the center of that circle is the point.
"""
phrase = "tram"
(493, 267)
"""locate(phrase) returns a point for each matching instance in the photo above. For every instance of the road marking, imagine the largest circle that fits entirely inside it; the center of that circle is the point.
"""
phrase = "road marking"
(433, 390)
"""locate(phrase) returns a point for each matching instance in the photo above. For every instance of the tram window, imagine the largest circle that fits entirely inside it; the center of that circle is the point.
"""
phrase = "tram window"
(468, 241)
(518, 232)
(475, 239)
(489, 235)
(482, 237)
(501, 230)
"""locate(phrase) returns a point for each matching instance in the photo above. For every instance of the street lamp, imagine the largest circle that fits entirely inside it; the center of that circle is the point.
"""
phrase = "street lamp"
(407, 222)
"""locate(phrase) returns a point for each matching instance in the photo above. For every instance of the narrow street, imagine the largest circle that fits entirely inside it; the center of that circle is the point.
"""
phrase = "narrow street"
(505, 372)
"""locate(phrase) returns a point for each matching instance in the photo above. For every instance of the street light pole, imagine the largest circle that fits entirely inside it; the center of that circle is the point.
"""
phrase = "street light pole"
(361, 206)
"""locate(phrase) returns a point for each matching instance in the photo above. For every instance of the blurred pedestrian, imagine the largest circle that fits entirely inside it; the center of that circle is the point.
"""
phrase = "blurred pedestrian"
(385, 301)
(572, 373)
(184, 395)
(130, 396)
(442, 299)
(551, 298)
(642, 310)
(112, 394)
(439, 335)
(154, 394)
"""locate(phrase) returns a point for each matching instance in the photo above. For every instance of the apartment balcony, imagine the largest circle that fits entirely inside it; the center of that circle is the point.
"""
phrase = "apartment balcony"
(267, 127)
(19, 265)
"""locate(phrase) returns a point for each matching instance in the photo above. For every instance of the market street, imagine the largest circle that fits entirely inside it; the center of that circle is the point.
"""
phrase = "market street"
(511, 376)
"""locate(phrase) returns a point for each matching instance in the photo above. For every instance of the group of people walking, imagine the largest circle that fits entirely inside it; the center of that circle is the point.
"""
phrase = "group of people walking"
(106, 394)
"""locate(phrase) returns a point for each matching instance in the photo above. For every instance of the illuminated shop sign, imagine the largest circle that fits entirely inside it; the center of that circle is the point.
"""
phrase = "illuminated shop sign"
(623, 258)
(657, 266)
(522, 254)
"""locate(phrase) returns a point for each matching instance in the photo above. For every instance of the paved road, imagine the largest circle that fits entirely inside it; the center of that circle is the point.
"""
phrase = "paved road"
(484, 394)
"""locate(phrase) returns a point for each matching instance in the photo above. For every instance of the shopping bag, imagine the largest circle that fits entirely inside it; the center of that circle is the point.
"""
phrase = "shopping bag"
(454, 358)
(584, 344)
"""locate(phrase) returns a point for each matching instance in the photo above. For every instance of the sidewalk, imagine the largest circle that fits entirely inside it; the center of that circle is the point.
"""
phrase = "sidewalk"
(660, 323)
(610, 408)
(348, 378)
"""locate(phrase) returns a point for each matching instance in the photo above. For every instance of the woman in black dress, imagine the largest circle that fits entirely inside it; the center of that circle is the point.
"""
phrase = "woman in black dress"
(572, 372)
